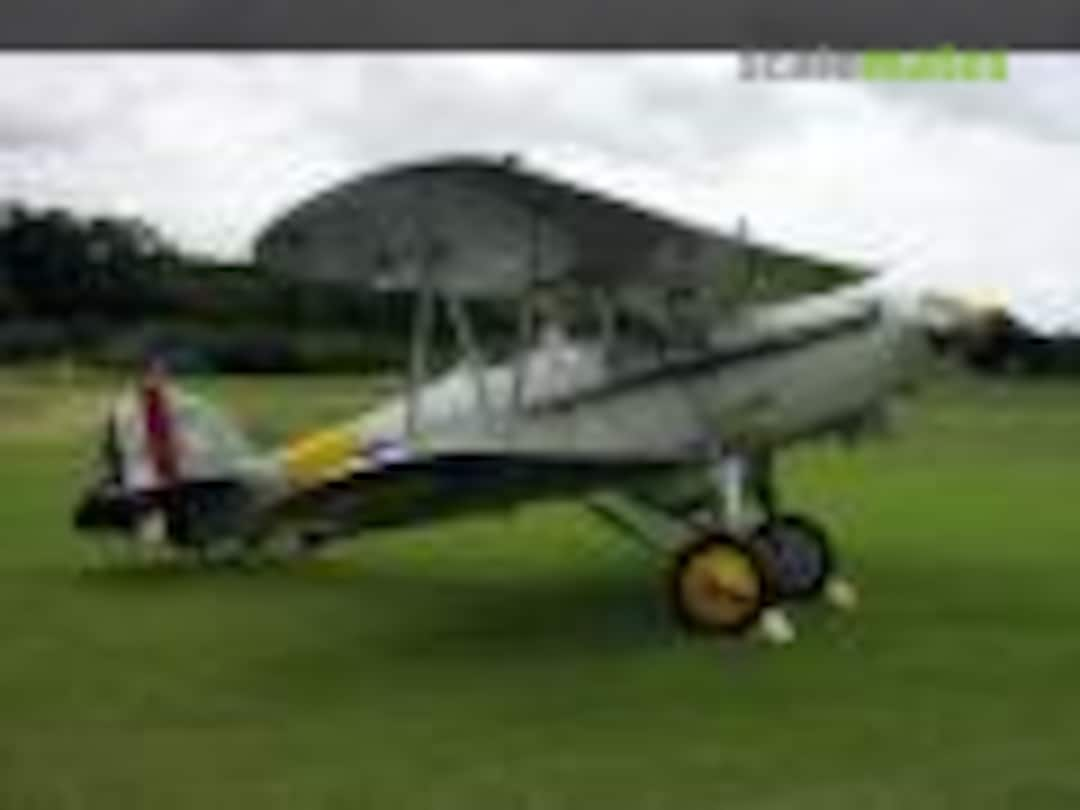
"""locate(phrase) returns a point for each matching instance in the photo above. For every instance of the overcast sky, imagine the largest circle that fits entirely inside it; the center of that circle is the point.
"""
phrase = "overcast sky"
(967, 187)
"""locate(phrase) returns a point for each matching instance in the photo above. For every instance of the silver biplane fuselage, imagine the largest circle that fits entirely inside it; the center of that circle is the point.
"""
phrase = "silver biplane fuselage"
(771, 376)
(581, 416)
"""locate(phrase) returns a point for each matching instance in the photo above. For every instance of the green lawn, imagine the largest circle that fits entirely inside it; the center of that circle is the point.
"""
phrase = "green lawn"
(526, 661)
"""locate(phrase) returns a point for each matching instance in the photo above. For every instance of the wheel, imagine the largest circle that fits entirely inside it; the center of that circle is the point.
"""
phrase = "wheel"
(796, 554)
(717, 586)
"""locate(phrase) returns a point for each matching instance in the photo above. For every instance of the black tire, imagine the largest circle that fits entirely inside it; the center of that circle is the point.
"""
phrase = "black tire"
(717, 601)
(796, 554)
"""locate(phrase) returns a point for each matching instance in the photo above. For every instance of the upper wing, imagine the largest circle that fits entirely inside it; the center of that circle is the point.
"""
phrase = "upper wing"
(490, 228)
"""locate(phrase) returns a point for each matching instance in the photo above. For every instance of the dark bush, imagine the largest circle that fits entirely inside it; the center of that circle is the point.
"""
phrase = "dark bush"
(23, 341)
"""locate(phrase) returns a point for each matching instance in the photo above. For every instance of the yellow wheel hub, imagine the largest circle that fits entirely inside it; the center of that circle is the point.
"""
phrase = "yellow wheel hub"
(720, 587)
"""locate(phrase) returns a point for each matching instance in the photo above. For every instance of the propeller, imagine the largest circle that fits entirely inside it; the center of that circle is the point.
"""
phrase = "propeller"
(978, 329)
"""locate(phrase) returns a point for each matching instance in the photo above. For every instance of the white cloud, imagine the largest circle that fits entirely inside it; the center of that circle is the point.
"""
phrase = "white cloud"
(968, 187)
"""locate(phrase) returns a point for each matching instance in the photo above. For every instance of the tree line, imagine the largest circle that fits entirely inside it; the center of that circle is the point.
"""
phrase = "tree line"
(109, 290)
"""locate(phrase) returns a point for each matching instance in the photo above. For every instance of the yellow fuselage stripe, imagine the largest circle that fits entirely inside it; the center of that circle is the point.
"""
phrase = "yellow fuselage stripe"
(320, 456)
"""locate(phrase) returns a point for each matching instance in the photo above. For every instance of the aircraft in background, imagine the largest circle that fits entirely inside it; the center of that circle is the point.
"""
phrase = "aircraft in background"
(653, 368)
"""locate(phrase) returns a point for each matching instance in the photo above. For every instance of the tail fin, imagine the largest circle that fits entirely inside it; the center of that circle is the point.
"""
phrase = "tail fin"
(162, 447)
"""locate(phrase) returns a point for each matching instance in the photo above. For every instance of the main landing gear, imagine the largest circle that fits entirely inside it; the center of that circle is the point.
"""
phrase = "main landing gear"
(782, 557)
(741, 564)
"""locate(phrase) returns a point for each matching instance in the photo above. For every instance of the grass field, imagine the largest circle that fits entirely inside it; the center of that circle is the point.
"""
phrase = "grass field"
(526, 661)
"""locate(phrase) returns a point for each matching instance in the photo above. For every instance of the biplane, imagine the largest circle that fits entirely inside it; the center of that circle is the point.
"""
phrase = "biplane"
(650, 367)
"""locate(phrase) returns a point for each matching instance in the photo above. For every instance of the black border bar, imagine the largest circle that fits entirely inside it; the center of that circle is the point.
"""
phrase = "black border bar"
(456, 24)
